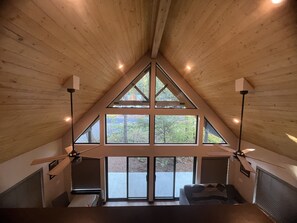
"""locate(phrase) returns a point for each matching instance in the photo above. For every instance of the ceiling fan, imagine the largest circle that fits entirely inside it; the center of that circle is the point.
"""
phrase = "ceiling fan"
(72, 156)
(243, 87)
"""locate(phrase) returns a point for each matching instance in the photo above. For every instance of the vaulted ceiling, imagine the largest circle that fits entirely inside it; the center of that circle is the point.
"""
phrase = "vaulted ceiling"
(43, 42)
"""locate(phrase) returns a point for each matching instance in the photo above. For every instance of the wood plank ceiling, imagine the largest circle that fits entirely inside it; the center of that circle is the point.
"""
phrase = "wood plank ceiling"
(252, 39)
(43, 42)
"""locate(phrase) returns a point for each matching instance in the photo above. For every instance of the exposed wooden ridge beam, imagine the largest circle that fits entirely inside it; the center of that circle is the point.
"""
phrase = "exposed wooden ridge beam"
(162, 14)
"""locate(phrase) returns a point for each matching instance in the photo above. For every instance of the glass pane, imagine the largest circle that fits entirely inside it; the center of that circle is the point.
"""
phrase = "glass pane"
(164, 171)
(136, 95)
(164, 94)
(210, 135)
(175, 129)
(168, 94)
(91, 135)
(127, 129)
(184, 173)
(117, 177)
(137, 173)
(140, 91)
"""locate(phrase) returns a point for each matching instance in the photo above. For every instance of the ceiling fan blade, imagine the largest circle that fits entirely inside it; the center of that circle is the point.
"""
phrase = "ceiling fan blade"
(48, 159)
(245, 151)
(68, 149)
(61, 166)
(264, 161)
(94, 152)
(245, 164)
(228, 149)
(224, 154)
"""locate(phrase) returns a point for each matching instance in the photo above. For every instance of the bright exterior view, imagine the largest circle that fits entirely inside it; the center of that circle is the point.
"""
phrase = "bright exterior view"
(210, 135)
(91, 135)
(136, 95)
(175, 129)
(127, 176)
(127, 129)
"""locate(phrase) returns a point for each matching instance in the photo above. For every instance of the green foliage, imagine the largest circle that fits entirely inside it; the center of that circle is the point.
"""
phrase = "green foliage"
(210, 137)
(175, 129)
(143, 85)
(165, 95)
(127, 128)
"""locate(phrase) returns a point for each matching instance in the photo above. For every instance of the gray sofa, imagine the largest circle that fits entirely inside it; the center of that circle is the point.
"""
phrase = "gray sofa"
(206, 194)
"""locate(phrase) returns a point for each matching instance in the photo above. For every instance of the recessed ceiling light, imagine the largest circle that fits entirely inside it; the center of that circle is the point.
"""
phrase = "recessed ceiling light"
(188, 68)
(276, 1)
(235, 120)
(67, 119)
(121, 66)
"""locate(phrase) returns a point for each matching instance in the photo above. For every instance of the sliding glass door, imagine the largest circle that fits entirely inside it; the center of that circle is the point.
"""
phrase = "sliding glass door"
(137, 177)
(171, 174)
(185, 169)
(117, 177)
(127, 178)
(164, 177)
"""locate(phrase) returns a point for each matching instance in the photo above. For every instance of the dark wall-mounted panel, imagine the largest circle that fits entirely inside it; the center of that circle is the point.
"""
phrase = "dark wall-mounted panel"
(214, 170)
(276, 197)
(25, 194)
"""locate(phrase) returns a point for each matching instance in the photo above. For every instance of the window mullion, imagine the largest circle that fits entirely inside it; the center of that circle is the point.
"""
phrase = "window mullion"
(152, 102)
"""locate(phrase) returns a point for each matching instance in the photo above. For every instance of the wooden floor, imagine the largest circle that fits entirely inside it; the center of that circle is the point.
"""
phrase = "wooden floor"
(139, 203)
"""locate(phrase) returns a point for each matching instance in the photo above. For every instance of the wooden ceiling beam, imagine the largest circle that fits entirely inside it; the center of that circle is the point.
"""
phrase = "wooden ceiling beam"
(162, 14)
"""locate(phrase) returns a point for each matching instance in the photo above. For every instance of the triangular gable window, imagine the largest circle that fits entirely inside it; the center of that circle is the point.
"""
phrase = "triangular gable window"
(168, 94)
(211, 135)
(91, 134)
(136, 95)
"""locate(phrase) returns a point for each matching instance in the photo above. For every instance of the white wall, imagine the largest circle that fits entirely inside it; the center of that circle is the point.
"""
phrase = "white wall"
(18, 168)
(246, 185)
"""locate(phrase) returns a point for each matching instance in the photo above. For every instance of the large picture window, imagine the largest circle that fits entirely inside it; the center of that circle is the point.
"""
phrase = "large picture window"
(175, 129)
(125, 129)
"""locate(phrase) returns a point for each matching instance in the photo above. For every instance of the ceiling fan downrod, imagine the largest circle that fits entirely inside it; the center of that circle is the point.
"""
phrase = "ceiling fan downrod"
(239, 152)
(73, 153)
